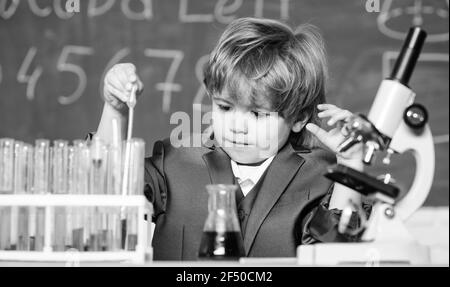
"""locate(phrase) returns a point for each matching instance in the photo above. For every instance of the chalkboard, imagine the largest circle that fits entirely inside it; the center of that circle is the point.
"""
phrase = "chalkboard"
(52, 61)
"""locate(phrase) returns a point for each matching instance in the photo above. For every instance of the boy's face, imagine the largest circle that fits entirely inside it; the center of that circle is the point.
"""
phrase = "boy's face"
(247, 133)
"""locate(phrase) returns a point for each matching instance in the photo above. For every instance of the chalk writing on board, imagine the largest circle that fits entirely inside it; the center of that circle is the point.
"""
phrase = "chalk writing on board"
(373, 6)
(223, 9)
(73, 6)
(284, 9)
(201, 93)
(59, 6)
(30, 79)
(8, 12)
(417, 12)
(169, 85)
(64, 66)
(60, 10)
(191, 18)
(39, 11)
(145, 14)
(95, 10)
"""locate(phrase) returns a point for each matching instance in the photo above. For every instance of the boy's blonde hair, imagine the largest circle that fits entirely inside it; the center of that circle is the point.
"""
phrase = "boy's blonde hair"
(261, 61)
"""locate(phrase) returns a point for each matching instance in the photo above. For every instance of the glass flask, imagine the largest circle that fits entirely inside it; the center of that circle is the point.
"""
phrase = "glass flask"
(222, 239)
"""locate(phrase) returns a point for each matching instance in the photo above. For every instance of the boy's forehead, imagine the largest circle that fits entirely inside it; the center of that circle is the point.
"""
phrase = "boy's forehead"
(245, 99)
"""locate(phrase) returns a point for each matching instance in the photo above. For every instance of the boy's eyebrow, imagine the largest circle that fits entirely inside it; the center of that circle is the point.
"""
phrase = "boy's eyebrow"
(222, 99)
(263, 106)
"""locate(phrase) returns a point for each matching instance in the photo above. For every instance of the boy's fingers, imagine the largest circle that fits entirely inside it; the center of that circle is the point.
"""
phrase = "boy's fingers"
(127, 75)
(321, 134)
(342, 115)
(115, 82)
(326, 106)
(117, 93)
(132, 81)
(121, 75)
(132, 78)
(129, 87)
(130, 68)
(328, 113)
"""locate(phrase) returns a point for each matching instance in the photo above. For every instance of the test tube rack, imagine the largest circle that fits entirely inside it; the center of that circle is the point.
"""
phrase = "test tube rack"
(141, 254)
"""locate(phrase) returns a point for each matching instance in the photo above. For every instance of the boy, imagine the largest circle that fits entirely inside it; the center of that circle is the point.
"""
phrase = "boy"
(261, 74)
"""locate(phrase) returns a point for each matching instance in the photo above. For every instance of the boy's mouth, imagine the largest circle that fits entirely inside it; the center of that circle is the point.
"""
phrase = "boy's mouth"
(237, 143)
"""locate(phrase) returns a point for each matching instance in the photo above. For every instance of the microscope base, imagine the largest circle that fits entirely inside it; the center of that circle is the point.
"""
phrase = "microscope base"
(366, 254)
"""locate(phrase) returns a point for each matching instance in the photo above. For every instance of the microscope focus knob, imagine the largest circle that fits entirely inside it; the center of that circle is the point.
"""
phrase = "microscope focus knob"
(416, 116)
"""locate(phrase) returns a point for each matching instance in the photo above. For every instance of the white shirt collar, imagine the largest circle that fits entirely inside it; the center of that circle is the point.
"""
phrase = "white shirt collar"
(252, 173)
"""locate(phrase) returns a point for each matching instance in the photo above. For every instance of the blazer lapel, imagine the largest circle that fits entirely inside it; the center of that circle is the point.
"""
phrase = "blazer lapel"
(219, 166)
(280, 173)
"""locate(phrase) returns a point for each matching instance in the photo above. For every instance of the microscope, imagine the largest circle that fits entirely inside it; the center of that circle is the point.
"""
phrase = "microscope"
(395, 124)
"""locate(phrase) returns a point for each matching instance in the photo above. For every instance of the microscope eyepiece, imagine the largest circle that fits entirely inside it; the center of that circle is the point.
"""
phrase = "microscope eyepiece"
(408, 56)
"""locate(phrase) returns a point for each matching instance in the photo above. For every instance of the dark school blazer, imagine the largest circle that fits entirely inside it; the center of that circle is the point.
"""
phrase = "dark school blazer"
(290, 209)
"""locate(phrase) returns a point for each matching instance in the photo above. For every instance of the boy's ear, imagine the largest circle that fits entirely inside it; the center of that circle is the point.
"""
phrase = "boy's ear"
(298, 126)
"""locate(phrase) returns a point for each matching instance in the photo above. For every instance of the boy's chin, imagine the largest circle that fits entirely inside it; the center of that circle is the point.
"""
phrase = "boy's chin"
(247, 155)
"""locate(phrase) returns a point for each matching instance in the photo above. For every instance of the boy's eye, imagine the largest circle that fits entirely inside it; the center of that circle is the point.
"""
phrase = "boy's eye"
(224, 108)
(260, 114)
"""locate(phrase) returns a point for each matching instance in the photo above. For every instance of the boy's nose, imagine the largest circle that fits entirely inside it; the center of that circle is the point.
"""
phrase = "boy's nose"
(239, 123)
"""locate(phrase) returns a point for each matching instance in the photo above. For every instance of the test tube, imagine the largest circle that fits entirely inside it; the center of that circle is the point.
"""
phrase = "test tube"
(115, 161)
(60, 167)
(70, 210)
(41, 166)
(114, 186)
(80, 185)
(17, 183)
(98, 166)
(97, 185)
(6, 187)
(134, 167)
(23, 183)
(40, 186)
(133, 184)
(59, 172)
(81, 164)
(6, 165)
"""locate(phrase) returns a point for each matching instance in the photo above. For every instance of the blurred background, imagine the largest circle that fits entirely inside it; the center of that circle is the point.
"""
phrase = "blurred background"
(52, 62)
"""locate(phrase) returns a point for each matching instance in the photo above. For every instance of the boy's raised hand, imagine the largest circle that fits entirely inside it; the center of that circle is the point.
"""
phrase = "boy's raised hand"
(334, 137)
(118, 83)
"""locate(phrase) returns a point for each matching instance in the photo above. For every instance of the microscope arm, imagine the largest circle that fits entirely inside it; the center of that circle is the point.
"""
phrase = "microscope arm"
(422, 147)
